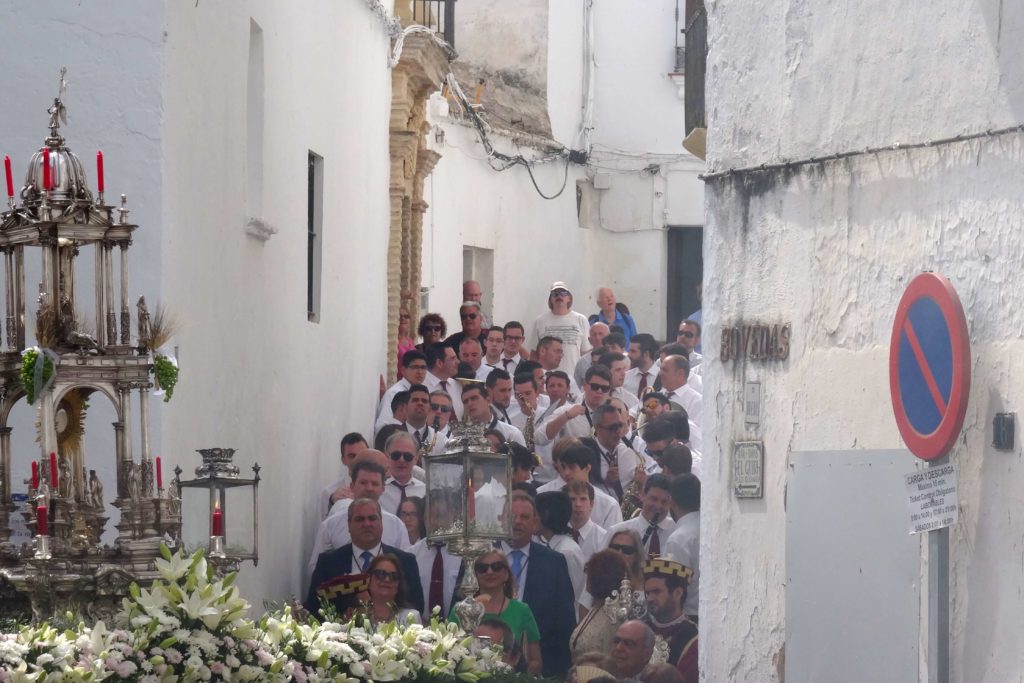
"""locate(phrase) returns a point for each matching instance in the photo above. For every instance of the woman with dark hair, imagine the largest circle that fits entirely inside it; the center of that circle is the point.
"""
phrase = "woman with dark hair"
(497, 440)
(496, 590)
(432, 329)
(412, 511)
(386, 598)
(554, 509)
(605, 571)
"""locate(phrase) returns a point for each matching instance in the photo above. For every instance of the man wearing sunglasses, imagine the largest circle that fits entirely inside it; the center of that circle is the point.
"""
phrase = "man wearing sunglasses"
(472, 317)
(620, 464)
(403, 453)
(441, 412)
(566, 324)
(576, 419)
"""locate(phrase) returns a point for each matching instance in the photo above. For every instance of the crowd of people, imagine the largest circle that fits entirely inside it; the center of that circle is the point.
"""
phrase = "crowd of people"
(599, 579)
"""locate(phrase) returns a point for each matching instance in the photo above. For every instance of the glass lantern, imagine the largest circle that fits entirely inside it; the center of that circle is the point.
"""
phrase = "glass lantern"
(469, 489)
(229, 526)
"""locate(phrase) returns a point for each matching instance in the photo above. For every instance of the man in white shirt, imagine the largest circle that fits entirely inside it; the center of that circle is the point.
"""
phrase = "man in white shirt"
(414, 371)
(689, 336)
(654, 524)
(416, 417)
(439, 576)
(643, 351)
(589, 536)
(566, 324)
(528, 408)
(618, 365)
(477, 403)
(620, 464)
(683, 544)
(352, 444)
(494, 345)
(512, 355)
(442, 411)
(674, 371)
(577, 419)
(367, 482)
(554, 510)
(666, 430)
(471, 352)
(499, 385)
(598, 331)
(575, 465)
(402, 452)
(444, 363)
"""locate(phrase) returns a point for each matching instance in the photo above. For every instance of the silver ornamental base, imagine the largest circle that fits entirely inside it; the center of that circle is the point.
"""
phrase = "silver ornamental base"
(217, 546)
(43, 548)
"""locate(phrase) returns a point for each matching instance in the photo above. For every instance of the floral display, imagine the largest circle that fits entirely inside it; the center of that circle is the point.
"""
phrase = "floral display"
(27, 373)
(192, 626)
(165, 369)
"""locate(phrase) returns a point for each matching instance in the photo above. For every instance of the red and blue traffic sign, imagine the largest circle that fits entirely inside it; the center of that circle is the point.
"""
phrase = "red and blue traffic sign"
(929, 366)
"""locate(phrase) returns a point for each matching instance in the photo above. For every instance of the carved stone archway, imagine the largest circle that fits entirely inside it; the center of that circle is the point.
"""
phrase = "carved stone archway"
(420, 73)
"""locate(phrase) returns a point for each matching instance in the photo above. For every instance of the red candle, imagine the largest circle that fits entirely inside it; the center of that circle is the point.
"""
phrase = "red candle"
(42, 528)
(99, 174)
(46, 168)
(53, 472)
(159, 471)
(10, 178)
(218, 520)
(35, 475)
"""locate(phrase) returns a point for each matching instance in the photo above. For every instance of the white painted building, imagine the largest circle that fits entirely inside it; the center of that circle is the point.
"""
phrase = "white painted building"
(617, 236)
(829, 247)
(209, 116)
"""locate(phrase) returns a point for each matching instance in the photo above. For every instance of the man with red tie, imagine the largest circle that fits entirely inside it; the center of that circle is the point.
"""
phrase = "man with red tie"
(643, 351)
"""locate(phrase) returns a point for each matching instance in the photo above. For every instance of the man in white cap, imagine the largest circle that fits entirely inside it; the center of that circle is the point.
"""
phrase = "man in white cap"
(564, 323)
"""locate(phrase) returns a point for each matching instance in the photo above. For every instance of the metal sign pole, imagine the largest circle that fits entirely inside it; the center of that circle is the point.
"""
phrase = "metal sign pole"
(938, 599)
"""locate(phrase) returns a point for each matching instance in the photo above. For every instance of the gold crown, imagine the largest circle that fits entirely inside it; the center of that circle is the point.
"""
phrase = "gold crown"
(664, 566)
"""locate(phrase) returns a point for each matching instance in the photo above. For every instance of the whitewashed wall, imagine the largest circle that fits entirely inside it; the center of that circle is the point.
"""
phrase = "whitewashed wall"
(258, 375)
(831, 249)
(638, 121)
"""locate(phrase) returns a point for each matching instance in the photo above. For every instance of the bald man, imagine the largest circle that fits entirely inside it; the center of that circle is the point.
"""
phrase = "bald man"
(598, 331)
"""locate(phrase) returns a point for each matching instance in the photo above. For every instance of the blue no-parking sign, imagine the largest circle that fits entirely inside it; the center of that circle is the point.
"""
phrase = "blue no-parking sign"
(929, 366)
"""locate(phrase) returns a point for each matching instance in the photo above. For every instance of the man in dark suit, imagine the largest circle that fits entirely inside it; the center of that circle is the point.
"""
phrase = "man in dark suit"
(366, 528)
(543, 583)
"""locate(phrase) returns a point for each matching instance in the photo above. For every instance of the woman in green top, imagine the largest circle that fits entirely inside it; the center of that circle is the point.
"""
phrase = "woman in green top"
(496, 591)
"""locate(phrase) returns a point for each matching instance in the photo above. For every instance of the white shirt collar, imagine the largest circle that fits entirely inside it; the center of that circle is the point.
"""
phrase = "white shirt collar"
(357, 551)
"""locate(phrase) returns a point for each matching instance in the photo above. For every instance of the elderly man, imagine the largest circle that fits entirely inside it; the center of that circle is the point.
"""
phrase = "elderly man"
(471, 291)
(620, 464)
(566, 324)
(403, 453)
(365, 529)
(613, 313)
(632, 648)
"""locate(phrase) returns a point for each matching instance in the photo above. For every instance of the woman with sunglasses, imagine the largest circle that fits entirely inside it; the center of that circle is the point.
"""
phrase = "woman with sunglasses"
(496, 590)
(412, 512)
(386, 598)
(432, 329)
(605, 571)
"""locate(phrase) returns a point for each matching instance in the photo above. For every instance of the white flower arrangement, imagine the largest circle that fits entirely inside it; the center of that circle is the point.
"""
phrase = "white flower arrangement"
(191, 626)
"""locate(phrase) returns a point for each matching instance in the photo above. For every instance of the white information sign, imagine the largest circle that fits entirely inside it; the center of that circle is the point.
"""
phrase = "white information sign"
(932, 498)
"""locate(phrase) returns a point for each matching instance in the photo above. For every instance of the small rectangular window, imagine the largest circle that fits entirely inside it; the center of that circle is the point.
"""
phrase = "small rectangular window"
(314, 235)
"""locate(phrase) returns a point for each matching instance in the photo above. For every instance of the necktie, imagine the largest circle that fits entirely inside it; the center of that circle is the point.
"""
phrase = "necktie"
(420, 437)
(517, 564)
(402, 488)
(575, 533)
(367, 557)
(504, 414)
(643, 385)
(444, 385)
(436, 597)
(655, 547)
(505, 362)
(614, 483)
